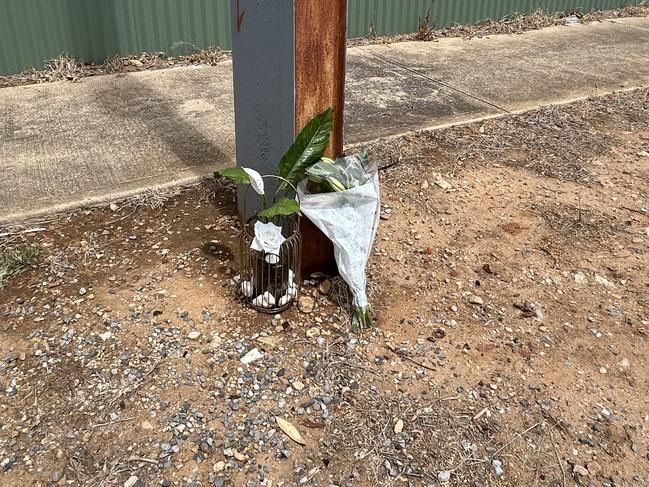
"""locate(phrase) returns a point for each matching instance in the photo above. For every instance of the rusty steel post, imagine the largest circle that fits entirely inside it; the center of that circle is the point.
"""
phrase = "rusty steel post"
(320, 48)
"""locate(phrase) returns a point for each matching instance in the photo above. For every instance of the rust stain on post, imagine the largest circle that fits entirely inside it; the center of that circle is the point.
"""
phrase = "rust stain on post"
(320, 46)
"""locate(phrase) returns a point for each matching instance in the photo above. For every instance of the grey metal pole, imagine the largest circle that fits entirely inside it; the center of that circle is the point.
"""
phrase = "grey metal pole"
(263, 49)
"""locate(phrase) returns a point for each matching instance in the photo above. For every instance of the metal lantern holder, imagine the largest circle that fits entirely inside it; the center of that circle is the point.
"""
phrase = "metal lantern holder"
(271, 283)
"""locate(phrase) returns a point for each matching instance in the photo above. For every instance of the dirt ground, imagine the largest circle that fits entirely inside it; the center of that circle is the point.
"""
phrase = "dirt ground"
(510, 287)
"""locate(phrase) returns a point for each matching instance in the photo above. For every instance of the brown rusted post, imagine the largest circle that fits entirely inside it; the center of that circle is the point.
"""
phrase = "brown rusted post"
(320, 47)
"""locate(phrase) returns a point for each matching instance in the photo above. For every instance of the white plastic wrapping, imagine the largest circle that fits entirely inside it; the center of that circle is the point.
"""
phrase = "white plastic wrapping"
(349, 219)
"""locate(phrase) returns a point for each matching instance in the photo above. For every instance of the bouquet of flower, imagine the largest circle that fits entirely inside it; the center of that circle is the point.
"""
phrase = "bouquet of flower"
(341, 198)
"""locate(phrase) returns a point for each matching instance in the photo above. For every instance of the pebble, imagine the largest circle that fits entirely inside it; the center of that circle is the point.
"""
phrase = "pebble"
(56, 476)
(604, 282)
(82, 291)
(251, 356)
(594, 468)
(580, 470)
(131, 481)
(498, 467)
(306, 304)
(194, 335)
(313, 332)
(325, 286)
(105, 336)
(580, 277)
(444, 476)
(602, 370)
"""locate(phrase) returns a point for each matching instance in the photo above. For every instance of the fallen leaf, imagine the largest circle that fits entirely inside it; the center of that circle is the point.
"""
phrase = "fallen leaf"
(398, 426)
(290, 430)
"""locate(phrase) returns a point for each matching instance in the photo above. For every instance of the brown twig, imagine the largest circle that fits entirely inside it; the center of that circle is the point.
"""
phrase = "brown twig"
(556, 452)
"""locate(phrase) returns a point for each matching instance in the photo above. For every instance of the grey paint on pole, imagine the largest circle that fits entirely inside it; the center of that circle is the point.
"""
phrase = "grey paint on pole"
(263, 49)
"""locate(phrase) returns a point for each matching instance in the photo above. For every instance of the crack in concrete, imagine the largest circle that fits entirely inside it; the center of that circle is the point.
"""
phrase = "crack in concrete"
(441, 83)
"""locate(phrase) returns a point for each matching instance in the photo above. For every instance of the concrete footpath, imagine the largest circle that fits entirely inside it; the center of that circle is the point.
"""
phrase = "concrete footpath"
(68, 144)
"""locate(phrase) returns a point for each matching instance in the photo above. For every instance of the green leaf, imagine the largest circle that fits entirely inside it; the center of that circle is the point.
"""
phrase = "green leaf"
(235, 174)
(331, 173)
(308, 148)
(283, 207)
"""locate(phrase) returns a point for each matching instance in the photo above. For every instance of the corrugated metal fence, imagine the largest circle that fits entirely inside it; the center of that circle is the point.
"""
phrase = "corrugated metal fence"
(35, 30)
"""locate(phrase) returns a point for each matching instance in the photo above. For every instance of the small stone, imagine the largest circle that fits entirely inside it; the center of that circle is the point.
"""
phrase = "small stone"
(194, 335)
(594, 468)
(325, 286)
(251, 356)
(82, 291)
(580, 470)
(306, 304)
(398, 426)
(498, 467)
(114, 207)
(492, 268)
(219, 466)
(604, 282)
(298, 385)
(602, 370)
(444, 476)
(441, 182)
(105, 336)
(313, 332)
(477, 300)
(643, 153)
(131, 481)
(56, 476)
(579, 277)
(146, 425)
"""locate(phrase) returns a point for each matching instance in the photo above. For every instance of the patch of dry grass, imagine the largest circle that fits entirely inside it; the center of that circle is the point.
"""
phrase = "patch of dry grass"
(65, 68)
(16, 261)
(516, 23)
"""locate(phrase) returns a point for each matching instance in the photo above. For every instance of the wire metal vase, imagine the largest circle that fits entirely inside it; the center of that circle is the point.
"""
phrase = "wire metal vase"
(270, 283)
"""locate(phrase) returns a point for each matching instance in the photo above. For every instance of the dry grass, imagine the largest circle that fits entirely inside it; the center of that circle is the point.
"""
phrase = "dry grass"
(516, 23)
(151, 198)
(557, 142)
(574, 226)
(440, 435)
(16, 261)
(65, 68)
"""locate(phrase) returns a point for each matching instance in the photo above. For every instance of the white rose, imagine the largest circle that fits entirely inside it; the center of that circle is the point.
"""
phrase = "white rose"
(268, 237)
